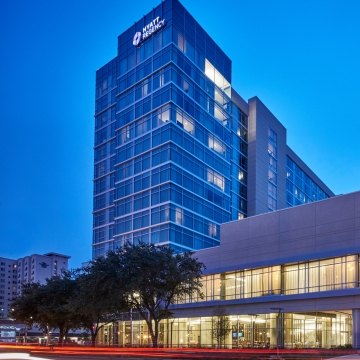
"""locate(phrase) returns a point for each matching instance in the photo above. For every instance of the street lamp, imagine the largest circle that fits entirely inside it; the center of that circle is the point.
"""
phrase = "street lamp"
(278, 328)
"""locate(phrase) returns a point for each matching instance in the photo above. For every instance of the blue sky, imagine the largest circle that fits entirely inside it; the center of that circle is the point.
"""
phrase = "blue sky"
(300, 57)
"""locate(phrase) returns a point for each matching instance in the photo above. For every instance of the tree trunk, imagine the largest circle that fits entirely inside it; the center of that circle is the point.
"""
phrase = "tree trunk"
(151, 330)
(66, 332)
(61, 336)
(155, 334)
(93, 338)
(154, 331)
(47, 335)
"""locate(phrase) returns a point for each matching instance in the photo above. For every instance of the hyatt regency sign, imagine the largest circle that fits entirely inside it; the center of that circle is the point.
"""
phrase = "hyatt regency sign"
(148, 31)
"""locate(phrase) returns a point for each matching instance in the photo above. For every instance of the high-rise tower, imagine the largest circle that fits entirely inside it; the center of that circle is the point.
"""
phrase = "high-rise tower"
(177, 150)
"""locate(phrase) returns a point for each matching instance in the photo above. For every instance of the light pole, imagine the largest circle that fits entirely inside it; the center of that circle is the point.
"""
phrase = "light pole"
(253, 320)
(278, 328)
(131, 327)
(28, 327)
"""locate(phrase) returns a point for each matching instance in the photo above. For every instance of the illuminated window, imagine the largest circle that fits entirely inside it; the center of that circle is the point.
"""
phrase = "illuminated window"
(185, 122)
(166, 115)
(212, 230)
(179, 216)
(216, 179)
(216, 145)
(209, 70)
(162, 79)
(216, 77)
(180, 41)
(145, 88)
(125, 134)
(241, 216)
(185, 86)
(166, 214)
(163, 115)
(272, 150)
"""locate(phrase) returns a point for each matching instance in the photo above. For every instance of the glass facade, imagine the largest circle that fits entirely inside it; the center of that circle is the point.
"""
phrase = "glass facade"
(170, 146)
(300, 188)
(299, 330)
(321, 329)
(300, 278)
(171, 142)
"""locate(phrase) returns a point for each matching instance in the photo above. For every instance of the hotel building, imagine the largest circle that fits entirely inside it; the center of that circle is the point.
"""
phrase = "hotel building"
(177, 150)
(33, 268)
(180, 154)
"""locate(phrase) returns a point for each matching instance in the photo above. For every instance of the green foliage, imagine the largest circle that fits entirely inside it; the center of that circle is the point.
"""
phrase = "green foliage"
(144, 278)
(152, 278)
(46, 305)
(26, 308)
(94, 303)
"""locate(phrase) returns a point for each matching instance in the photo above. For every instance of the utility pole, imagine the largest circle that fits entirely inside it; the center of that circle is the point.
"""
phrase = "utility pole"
(279, 328)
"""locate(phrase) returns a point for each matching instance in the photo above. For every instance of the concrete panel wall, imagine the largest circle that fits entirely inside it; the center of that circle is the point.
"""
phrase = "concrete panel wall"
(318, 230)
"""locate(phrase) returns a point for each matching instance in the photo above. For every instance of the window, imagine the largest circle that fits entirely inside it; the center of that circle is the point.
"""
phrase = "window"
(272, 150)
(272, 170)
(241, 175)
(271, 176)
(216, 145)
(300, 187)
(272, 203)
(141, 219)
(272, 136)
(125, 134)
(272, 191)
(212, 230)
(216, 77)
(216, 179)
(185, 122)
(179, 215)
(220, 115)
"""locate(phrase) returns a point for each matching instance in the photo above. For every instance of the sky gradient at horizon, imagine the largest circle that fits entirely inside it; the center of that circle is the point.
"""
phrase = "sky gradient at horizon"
(301, 58)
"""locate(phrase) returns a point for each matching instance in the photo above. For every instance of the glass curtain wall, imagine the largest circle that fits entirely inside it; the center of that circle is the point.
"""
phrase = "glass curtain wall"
(312, 276)
(307, 330)
(166, 170)
(300, 188)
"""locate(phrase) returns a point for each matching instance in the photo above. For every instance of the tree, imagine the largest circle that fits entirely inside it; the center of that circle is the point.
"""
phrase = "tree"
(56, 294)
(142, 277)
(221, 326)
(46, 305)
(151, 278)
(93, 304)
(25, 307)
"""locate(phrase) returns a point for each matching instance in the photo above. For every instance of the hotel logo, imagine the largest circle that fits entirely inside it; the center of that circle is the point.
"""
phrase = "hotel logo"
(148, 30)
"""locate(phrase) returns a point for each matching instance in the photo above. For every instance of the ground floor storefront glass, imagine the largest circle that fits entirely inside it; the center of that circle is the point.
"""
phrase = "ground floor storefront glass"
(289, 330)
